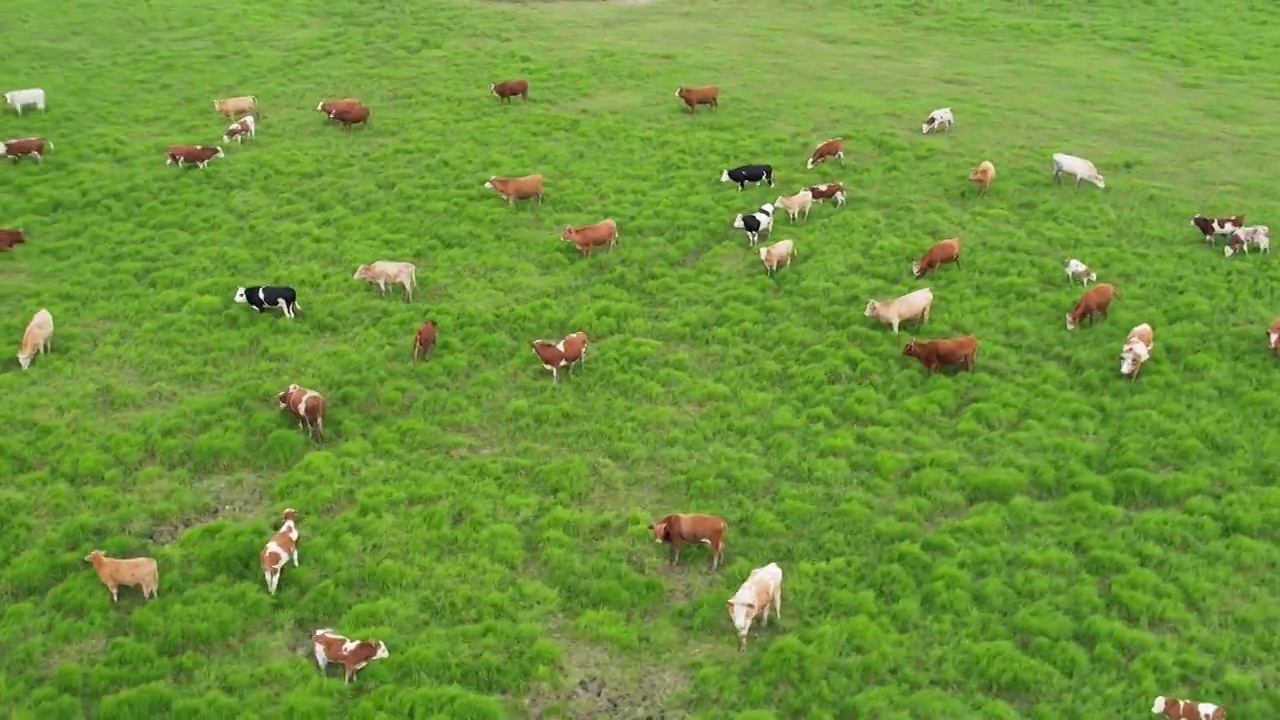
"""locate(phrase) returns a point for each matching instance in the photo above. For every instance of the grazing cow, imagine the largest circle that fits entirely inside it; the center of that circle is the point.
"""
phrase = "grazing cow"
(9, 238)
(572, 349)
(1077, 270)
(1273, 337)
(1077, 167)
(32, 147)
(306, 407)
(744, 174)
(353, 655)
(915, 304)
(794, 204)
(1210, 227)
(245, 127)
(828, 149)
(424, 341)
(779, 252)
(1137, 350)
(756, 223)
(200, 155)
(350, 115)
(282, 547)
(37, 338)
(1175, 709)
(983, 176)
(941, 253)
(389, 271)
(1243, 237)
(141, 572)
(237, 105)
(327, 106)
(761, 591)
(940, 118)
(508, 89)
(693, 97)
(679, 529)
(261, 297)
(1094, 301)
(833, 190)
(588, 237)
(934, 354)
(517, 188)
(17, 99)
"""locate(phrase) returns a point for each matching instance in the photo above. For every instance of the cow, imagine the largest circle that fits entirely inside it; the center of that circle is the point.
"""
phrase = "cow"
(261, 297)
(833, 148)
(588, 237)
(388, 271)
(1137, 350)
(199, 155)
(1094, 301)
(761, 592)
(245, 127)
(779, 252)
(1077, 167)
(757, 222)
(1077, 270)
(328, 646)
(141, 572)
(35, 147)
(1175, 709)
(940, 118)
(983, 176)
(744, 174)
(1257, 235)
(350, 115)
(17, 99)
(517, 188)
(508, 89)
(327, 106)
(282, 547)
(832, 190)
(555, 355)
(693, 97)
(680, 529)
(37, 338)
(1211, 227)
(1273, 337)
(424, 341)
(940, 253)
(794, 204)
(934, 354)
(237, 105)
(10, 238)
(306, 407)
(915, 304)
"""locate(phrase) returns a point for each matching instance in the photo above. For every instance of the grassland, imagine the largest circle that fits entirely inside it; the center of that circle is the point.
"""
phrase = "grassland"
(1038, 539)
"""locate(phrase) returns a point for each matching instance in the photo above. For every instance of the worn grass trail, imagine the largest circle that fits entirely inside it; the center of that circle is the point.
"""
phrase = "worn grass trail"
(1037, 539)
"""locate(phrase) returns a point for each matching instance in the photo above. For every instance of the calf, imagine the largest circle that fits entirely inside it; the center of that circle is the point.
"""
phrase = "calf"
(679, 529)
(517, 188)
(1175, 709)
(1094, 301)
(827, 149)
(261, 297)
(1273, 337)
(199, 155)
(353, 655)
(983, 176)
(779, 252)
(588, 237)
(915, 304)
(388, 271)
(693, 97)
(37, 338)
(245, 127)
(744, 174)
(425, 340)
(17, 99)
(940, 118)
(1210, 227)
(794, 204)
(1137, 350)
(306, 407)
(1077, 270)
(756, 223)
(508, 89)
(1241, 238)
(572, 349)
(9, 238)
(142, 572)
(282, 547)
(761, 591)
(1077, 167)
(34, 147)
(828, 190)
(934, 354)
(941, 253)
(327, 106)
(350, 115)
(236, 105)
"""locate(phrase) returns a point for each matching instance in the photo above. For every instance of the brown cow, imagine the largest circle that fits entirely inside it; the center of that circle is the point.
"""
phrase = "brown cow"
(1175, 709)
(572, 349)
(306, 406)
(1211, 227)
(327, 106)
(693, 97)
(350, 115)
(679, 529)
(9, 238)
(517, 188)
(425, 341)
(831, 148)
(933, 354)
(34, 147)
(832, 190)
(1094, 301)
(508, 89)
(142, 572)
(1273, 338)
(946, 251)
(199, 155)
(328, 646)
(589, 237)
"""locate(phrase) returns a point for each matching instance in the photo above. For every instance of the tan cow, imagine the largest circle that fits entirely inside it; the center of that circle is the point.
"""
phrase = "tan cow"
(517, 188)
(983, 176)
(779, 252)
(915, 304)
(38, 337)
(1273, 338)
(588, 237)
(142, 572)
(389, 271)
(761, 591)
(795, 204)
(237, 105)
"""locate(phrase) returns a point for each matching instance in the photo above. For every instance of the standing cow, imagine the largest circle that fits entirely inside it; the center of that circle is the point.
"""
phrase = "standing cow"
(262, 297)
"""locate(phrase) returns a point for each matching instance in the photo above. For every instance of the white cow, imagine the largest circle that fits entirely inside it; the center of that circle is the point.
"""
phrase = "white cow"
(1077, 270)
(1137, 350)
(761, 591)
(941, 117)
(1258, 235)
(1077, 167)
(30, 96)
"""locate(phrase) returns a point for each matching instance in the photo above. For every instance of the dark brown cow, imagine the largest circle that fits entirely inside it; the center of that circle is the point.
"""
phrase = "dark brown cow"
(9, 238)
(693, 97)
(572, 349)
(934, 354)
(508, 89)
(588, 237)
(679, 529)
(306, 407)
(828, 149)
(832, 190)
(1211, 227)
(354, 655)
(199, 155)
(1175, 709)
(350, 115)
(425, 341)
(31, 147)
(946, 251)
(1094, 301)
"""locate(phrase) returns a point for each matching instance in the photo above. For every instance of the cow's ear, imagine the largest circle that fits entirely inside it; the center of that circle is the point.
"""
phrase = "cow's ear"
(651, 525)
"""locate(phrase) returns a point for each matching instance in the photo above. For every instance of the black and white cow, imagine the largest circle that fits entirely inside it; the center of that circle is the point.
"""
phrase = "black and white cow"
(261, 297)
(1216, 226)
(748, 173)
(756, 223)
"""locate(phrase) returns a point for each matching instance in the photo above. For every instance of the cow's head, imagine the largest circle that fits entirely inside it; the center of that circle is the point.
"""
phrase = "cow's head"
(489, 183)
(362, 273)
(764, 255)
(320, 106)
(742, 614)
(872, 306)
(93, 556)
(928, 123)
(1071, 322)
(24, 359)
(659, 528)
(240, 296)
(915, 269)
(724, 176)
(380, 651)
(910, 348)
(217, 105)
(1158, 705)
(680, 91)
(569, 233)
(493, 88)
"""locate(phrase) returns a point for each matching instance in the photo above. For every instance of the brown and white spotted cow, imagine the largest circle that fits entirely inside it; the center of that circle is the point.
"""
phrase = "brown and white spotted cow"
(34, 147)
(353, 655)
(306, 407)
(1175, 709)
(1273, 337)
(572, 349)
(279, 550)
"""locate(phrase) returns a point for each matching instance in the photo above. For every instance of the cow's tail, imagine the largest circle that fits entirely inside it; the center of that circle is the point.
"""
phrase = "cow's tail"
(413, 277)
(295, 305)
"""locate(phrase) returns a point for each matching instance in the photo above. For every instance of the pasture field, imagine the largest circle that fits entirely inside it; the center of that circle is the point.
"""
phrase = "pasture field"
(1038, 539)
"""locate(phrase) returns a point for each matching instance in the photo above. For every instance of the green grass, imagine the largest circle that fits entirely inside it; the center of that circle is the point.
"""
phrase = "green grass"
(1038, 539)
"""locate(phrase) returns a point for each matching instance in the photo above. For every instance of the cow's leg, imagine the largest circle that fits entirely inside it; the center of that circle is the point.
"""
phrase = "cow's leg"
(777, 602)
(295, 556)
(36, 155)
(284, 307)
(382, 285)
(675, 550)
